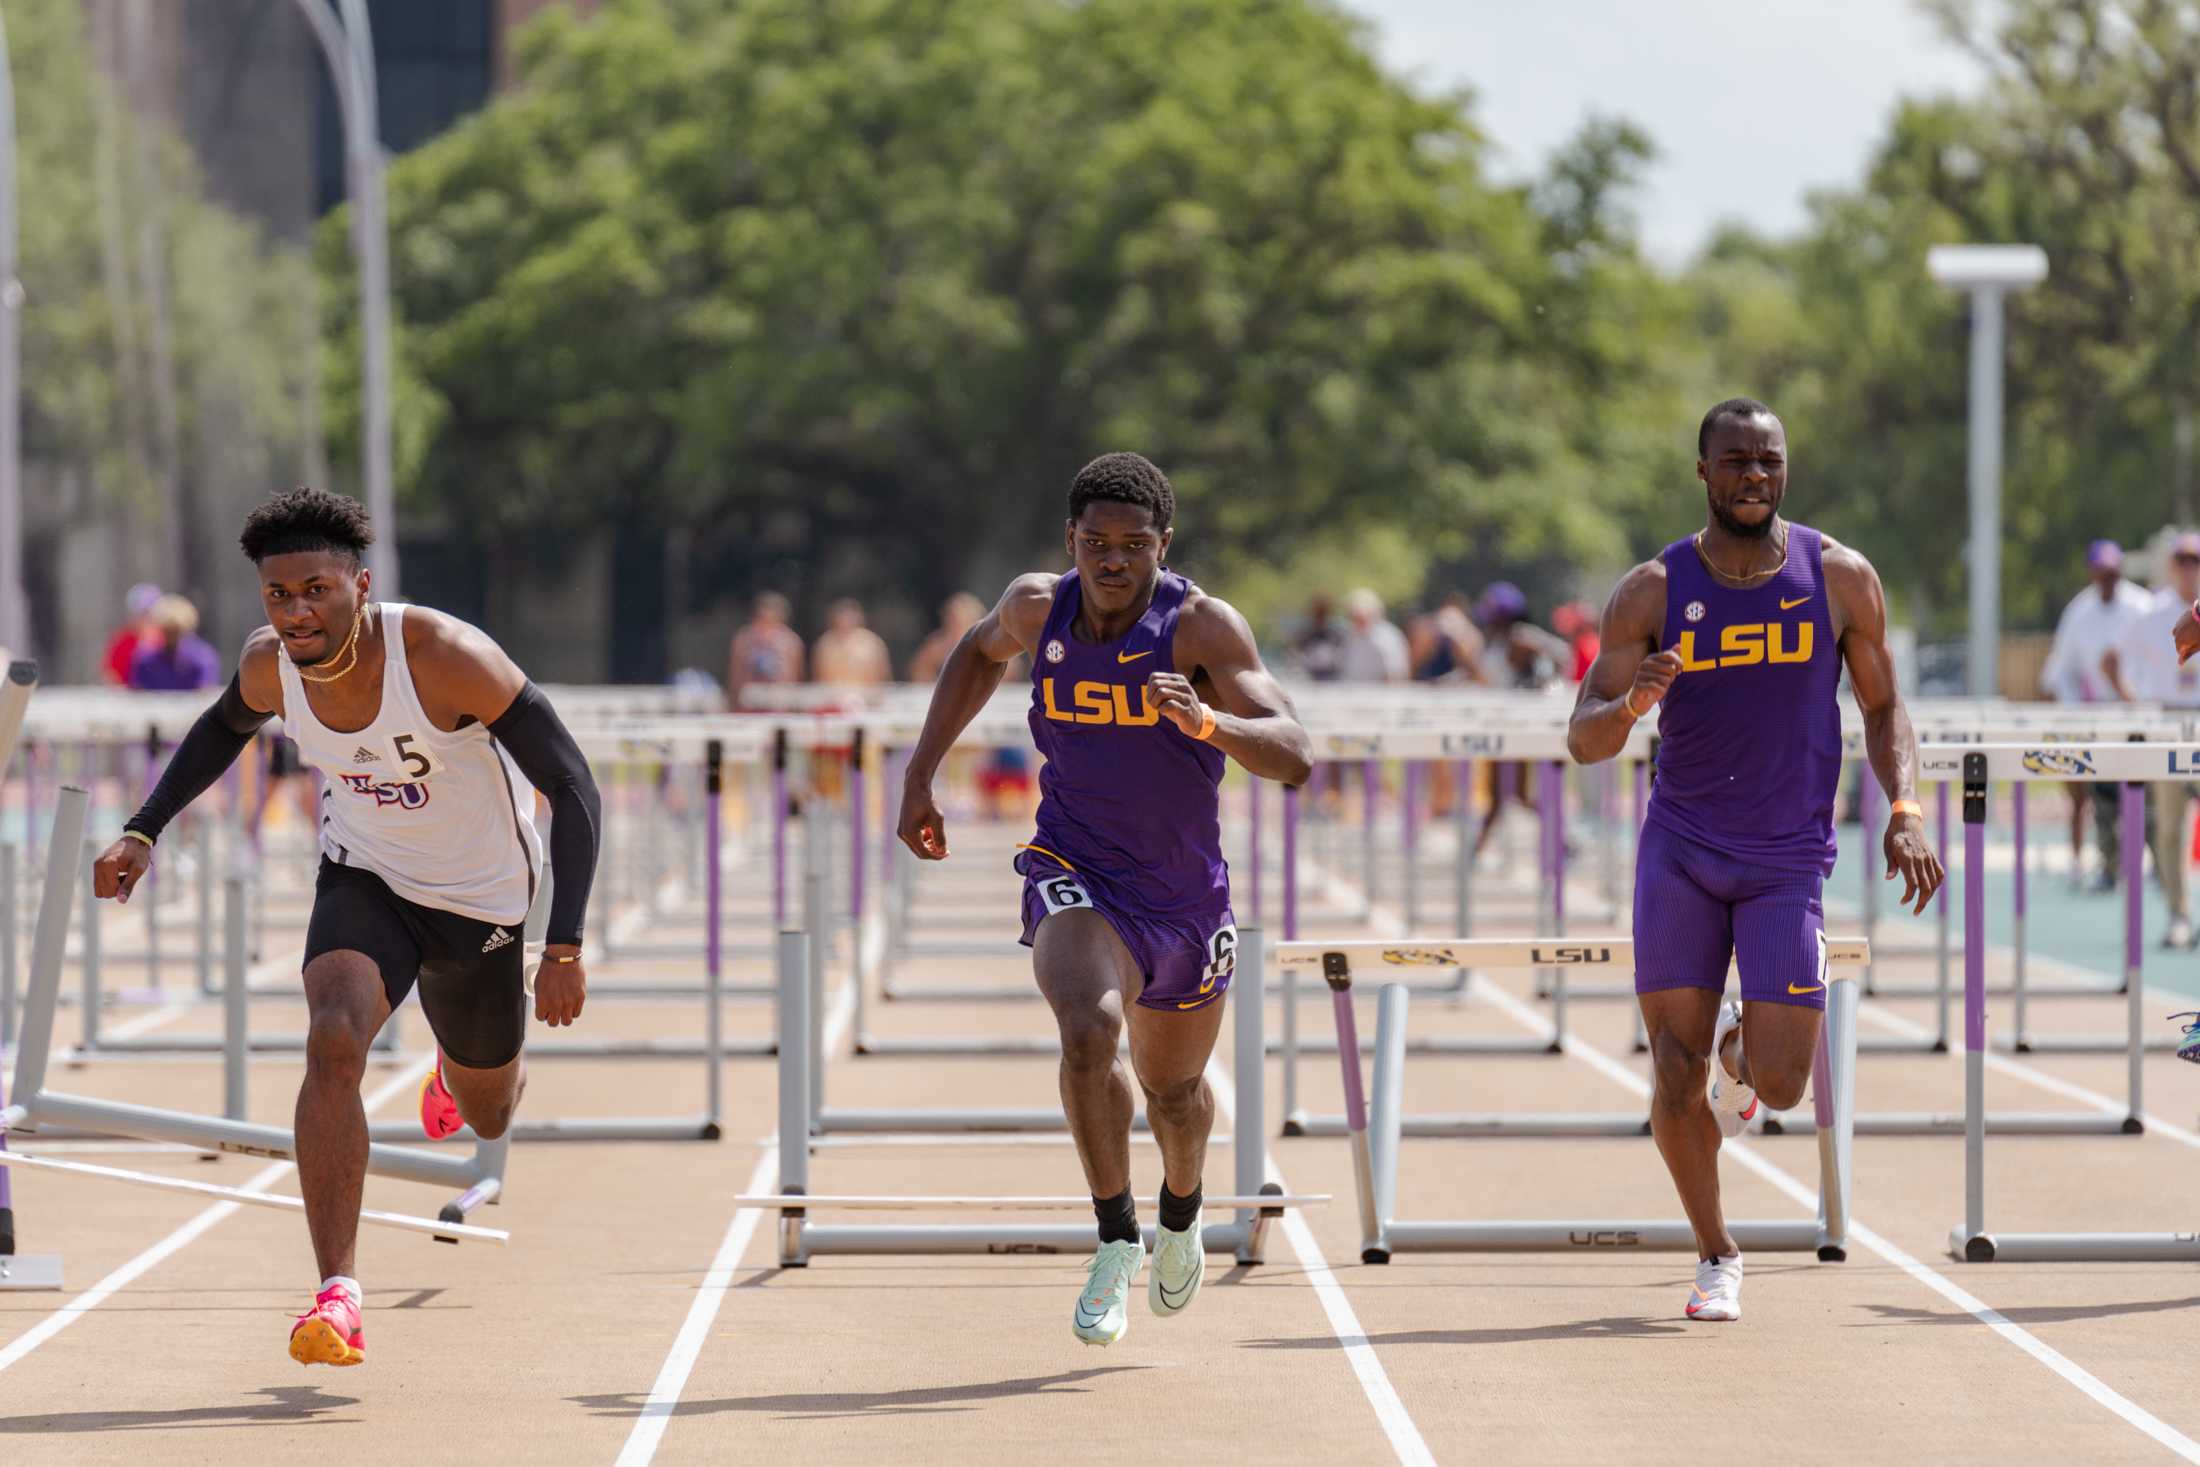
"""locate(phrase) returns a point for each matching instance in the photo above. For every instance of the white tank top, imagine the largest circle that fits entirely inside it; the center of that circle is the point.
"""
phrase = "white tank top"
(446, 819)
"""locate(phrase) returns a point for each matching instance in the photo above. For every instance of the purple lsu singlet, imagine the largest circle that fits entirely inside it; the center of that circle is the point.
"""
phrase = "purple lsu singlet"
(1129, 818)
(1749, 734)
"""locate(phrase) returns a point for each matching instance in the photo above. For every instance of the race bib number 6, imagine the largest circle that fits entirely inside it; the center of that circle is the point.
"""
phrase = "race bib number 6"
(1061, 894)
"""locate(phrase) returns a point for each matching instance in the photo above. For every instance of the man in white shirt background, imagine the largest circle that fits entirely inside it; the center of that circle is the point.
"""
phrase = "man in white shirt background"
(1374, 649)
(2144, 667)
(2091, 626)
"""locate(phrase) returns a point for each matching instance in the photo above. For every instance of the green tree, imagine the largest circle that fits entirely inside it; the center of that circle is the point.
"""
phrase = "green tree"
(2087, 143)
(857, 284)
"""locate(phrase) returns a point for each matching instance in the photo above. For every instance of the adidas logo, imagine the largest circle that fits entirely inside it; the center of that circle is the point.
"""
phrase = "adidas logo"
(365, 755)
(498, 938)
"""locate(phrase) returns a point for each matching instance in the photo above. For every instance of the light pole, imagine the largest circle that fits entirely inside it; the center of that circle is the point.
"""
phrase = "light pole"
(1988, 272)
(349, 50)
(15, 629)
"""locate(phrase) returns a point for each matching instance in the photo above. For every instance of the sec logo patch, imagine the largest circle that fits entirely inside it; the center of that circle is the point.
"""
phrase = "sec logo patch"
(1694, 611)
(1055, 652)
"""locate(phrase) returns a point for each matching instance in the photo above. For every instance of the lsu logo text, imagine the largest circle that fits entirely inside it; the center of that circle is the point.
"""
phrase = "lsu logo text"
(411, 796)
(1750, 642)
(2184, 761)
(1091, 702)
(1541, 956)
(2058, 761)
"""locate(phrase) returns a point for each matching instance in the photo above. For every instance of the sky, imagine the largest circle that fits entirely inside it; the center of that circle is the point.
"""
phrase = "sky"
(1752, 105)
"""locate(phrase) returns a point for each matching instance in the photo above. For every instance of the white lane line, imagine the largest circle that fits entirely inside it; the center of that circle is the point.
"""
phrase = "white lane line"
(1390, 1411)
(1747, 1156)
(98, 1294)
(687, 1346)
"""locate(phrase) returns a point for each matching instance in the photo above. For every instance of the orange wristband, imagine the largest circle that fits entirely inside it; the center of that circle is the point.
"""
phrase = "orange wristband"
(1907, 807)
(1206, 724)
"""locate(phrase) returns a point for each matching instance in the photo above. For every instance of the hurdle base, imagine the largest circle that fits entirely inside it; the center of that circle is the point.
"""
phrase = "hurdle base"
(887, 1122)
(1529, 1044)
(1484, 1127)
(1942, 1123)
(1619, 1235)
(960, 992)
(997, 1238)
(607, 1128)
(1014, 1046)
(26, 1273)
(1967, 1247)
(2083, 1044)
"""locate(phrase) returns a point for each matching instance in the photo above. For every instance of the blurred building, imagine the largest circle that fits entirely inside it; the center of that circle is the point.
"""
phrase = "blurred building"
(242, 84)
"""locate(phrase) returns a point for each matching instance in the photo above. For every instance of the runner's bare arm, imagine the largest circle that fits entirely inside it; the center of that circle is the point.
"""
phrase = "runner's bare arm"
(1630, 675)
(1859, 607)
(970, 676)
(1254, 722)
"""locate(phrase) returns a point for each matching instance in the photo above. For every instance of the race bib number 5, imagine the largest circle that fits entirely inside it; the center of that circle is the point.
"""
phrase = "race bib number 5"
(1062, 894)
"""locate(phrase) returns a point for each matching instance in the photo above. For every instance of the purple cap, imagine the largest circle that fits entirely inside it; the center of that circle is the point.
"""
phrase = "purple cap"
(2104, 555)
(2186, 544)
(1501, 602)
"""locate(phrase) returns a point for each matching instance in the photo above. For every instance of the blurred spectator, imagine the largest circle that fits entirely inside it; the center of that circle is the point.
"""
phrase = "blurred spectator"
(177, 659)
(2143, 668)
(1319, 650)
(1374, 651)
(1519, 653)
(765, 651)
(850, 654)
(136, 631)
(2091, 625)
(958, 614)
(1576, 621)
(1454, 650)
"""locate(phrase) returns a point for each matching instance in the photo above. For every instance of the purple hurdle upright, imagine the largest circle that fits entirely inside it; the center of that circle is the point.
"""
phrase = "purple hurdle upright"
(1252, 848)
(1291, 975)
(1373, 1215)
(2016, 826)
(779, 829)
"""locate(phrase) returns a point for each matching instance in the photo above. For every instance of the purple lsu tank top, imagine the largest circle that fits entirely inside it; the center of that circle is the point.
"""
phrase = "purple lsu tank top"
(1749, 735)
(1126, 799)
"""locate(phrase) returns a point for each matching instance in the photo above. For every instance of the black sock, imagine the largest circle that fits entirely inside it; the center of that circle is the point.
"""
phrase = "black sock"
(1177, 1212)
(1118, 1217)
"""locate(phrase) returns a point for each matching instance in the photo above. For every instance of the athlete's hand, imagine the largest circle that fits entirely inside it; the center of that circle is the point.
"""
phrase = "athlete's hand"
(1172, 697)
(560, 988)
(1653, 680)
(1911, 856)
(923, 827)
(2187, 633)
(120, 867)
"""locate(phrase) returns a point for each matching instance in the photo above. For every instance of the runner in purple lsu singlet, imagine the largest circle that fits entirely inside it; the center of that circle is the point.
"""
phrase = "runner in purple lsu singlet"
(1739, 840)
(1130, 820)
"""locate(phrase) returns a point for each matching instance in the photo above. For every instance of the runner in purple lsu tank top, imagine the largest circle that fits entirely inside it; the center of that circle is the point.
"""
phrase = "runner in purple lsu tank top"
(1141, 687)
(1737, 636)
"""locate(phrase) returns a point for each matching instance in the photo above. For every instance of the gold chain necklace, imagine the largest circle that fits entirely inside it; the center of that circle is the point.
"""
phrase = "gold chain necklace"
(1752, 577)
(350, 654)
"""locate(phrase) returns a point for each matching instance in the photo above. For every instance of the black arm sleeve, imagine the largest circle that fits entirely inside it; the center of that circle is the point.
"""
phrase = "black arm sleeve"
(545, 752)
(205, 754)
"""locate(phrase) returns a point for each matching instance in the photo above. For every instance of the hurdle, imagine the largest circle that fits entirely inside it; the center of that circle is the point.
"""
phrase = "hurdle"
(32, 1107)
(19, 1272)
(1254, 1205)
(1539, 745)
(1376, 1127)
(2133, 765)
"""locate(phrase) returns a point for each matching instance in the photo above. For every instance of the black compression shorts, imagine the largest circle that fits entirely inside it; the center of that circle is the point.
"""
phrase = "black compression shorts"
(472, 974)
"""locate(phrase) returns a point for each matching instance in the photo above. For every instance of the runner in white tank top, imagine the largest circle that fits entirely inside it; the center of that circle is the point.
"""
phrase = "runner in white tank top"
(446, 819)
(434, 745)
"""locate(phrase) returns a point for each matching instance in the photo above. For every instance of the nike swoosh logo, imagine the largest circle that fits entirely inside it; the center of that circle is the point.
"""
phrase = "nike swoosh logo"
(1791, 605)
(1176, 1300)
(1813, 988)
(1133, 656)
(1197, 1002)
